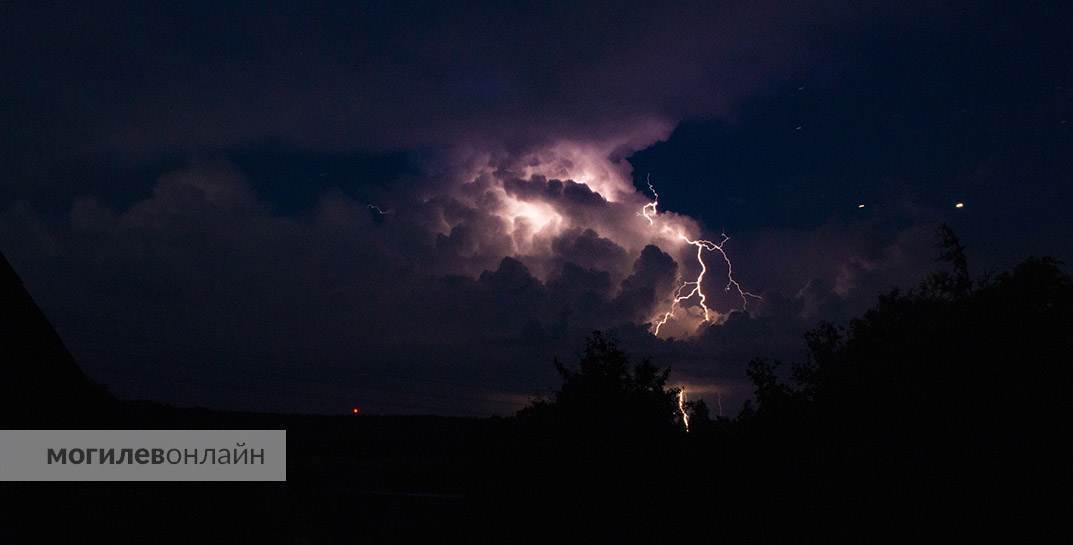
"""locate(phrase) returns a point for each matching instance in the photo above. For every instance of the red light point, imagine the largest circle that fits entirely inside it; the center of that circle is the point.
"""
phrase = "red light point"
(355, 410)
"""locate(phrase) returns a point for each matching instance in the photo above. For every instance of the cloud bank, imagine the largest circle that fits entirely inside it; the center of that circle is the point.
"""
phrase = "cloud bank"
(455, 300)
(452, 294)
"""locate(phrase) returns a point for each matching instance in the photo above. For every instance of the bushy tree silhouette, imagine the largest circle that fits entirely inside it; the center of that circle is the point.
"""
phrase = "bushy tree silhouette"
(607, 394)
(951, 396)
(592, 457)
(952, 351)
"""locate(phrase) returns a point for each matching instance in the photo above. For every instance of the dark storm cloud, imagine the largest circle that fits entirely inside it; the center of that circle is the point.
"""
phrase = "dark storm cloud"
(568, 191)
(173, 79)
(199, 294)
(653, 275)
(589, 249)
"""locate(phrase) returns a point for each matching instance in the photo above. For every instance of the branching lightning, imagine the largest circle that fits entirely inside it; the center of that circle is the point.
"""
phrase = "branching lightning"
(649, 211)
(652, 205)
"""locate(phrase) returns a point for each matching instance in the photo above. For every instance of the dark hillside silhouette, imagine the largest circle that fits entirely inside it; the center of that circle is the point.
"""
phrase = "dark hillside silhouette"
(42, 385)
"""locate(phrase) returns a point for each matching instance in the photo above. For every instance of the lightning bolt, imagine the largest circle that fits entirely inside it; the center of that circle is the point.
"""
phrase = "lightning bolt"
(379, 210)
(682, 407)
(652, 205)
(649, 211)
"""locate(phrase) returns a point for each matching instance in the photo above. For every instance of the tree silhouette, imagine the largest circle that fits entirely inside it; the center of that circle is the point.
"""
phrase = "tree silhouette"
(952, 349)
(607, 393)
(937, 393)
(592, 457)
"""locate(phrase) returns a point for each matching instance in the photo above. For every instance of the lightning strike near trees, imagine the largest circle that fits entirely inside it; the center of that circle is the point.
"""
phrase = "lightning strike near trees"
(682, 408)
(649, 211)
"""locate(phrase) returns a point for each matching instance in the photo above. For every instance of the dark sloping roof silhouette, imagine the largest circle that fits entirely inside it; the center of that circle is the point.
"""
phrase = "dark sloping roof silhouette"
(40, 383)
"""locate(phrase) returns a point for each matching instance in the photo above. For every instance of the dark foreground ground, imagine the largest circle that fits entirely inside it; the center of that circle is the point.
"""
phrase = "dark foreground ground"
(363, 479)
(382, 479)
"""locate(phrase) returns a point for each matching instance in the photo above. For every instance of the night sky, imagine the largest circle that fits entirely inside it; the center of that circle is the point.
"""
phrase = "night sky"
(414, 208)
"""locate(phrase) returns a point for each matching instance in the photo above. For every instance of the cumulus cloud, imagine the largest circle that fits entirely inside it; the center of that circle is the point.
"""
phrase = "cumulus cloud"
(454, 302)
(522, 234)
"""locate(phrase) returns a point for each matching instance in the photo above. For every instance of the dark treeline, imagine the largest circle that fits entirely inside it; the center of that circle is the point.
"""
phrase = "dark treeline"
(943, 413)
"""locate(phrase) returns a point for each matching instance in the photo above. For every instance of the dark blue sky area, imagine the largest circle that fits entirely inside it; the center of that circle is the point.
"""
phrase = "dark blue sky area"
(927, 120)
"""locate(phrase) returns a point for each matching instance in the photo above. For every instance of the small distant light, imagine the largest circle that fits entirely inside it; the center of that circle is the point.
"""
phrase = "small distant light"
(355, 410)
(860, 205)
(959, 205)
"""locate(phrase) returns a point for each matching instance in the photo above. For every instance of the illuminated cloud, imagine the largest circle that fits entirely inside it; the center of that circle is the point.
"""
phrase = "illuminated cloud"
(521, 231)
